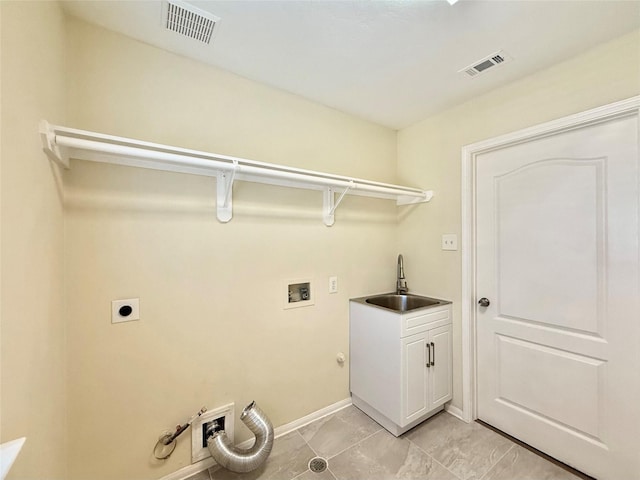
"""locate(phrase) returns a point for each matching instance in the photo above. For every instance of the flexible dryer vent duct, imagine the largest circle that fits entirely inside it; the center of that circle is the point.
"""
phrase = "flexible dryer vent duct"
(238, 460)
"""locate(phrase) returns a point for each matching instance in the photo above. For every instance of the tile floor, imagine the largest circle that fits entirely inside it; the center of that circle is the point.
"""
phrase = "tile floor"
(357, 448)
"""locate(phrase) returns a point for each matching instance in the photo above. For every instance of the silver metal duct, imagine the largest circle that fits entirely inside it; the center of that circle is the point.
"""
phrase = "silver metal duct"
(239, 460)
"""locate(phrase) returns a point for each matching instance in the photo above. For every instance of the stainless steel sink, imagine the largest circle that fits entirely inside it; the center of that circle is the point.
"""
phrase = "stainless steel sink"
(403, 302)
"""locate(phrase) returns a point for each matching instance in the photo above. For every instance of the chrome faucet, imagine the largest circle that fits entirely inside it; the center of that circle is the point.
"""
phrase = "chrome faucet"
(401, 284)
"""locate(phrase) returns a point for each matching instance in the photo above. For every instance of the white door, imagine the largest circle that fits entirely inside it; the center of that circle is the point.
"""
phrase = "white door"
(557, 257)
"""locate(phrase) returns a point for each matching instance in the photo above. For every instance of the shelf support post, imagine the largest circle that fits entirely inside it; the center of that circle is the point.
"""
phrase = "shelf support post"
(224, 193)
(49, 146)
(329, 204)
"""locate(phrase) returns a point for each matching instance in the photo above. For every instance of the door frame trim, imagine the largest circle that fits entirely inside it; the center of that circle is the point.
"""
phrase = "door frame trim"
(627, 107)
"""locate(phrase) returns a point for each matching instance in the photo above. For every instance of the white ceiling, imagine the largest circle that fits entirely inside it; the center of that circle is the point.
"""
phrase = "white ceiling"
(390, 62)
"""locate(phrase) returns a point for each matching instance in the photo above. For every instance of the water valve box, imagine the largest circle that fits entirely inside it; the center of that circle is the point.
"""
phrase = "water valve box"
(298, 293)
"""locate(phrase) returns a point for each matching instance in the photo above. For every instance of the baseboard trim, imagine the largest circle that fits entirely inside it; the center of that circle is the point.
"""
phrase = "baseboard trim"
(455, 411)
(306, 420)
(189, 470)
(207, 463)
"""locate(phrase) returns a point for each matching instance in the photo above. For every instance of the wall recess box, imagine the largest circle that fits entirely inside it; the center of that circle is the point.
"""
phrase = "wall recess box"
(223, 415)
(298, 293)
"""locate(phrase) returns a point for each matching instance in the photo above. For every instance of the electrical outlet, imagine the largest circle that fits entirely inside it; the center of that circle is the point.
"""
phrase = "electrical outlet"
(125, 310)
(450, 241)
(333, 284)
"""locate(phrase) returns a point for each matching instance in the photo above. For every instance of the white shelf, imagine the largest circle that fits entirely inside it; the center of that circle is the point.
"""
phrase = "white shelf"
(62, 143)
(8, 454)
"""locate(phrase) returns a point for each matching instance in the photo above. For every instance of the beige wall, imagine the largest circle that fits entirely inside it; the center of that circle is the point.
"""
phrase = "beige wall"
(429, 154)
(33, 399)
(213, 329)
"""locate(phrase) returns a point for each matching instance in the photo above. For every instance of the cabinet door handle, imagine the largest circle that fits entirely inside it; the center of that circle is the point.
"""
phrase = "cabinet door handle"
(433, 352)
(428, 356)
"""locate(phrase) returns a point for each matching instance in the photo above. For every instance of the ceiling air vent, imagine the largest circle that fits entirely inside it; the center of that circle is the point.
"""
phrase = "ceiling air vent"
(480, 66)
(190, 21)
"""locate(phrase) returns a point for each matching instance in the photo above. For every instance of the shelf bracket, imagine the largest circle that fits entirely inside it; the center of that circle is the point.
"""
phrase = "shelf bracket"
(406, 200)
(330, 204)
(53, 151)
(224, 193)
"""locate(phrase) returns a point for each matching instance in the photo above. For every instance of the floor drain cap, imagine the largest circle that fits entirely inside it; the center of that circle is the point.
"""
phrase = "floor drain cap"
(317, 465)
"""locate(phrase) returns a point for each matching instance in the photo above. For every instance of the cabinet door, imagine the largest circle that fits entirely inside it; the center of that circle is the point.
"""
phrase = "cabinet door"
(440, 374)
(415, 401)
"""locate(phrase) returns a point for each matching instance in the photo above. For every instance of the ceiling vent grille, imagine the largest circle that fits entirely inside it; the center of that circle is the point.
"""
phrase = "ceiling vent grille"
(481, 66)
(187, 20)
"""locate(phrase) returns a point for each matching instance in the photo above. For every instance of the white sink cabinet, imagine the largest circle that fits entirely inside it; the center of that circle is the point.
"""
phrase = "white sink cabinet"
(400, 363)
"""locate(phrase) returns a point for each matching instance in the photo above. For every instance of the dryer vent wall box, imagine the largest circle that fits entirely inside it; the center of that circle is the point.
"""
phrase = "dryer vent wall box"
(298, 293)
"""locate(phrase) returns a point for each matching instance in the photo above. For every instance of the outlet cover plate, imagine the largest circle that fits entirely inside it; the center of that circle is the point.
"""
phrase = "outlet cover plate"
(198, 452)
(449, 241)
(333, 284)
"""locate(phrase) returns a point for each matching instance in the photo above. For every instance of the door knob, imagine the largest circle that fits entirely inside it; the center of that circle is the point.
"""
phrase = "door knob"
(484, 302)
